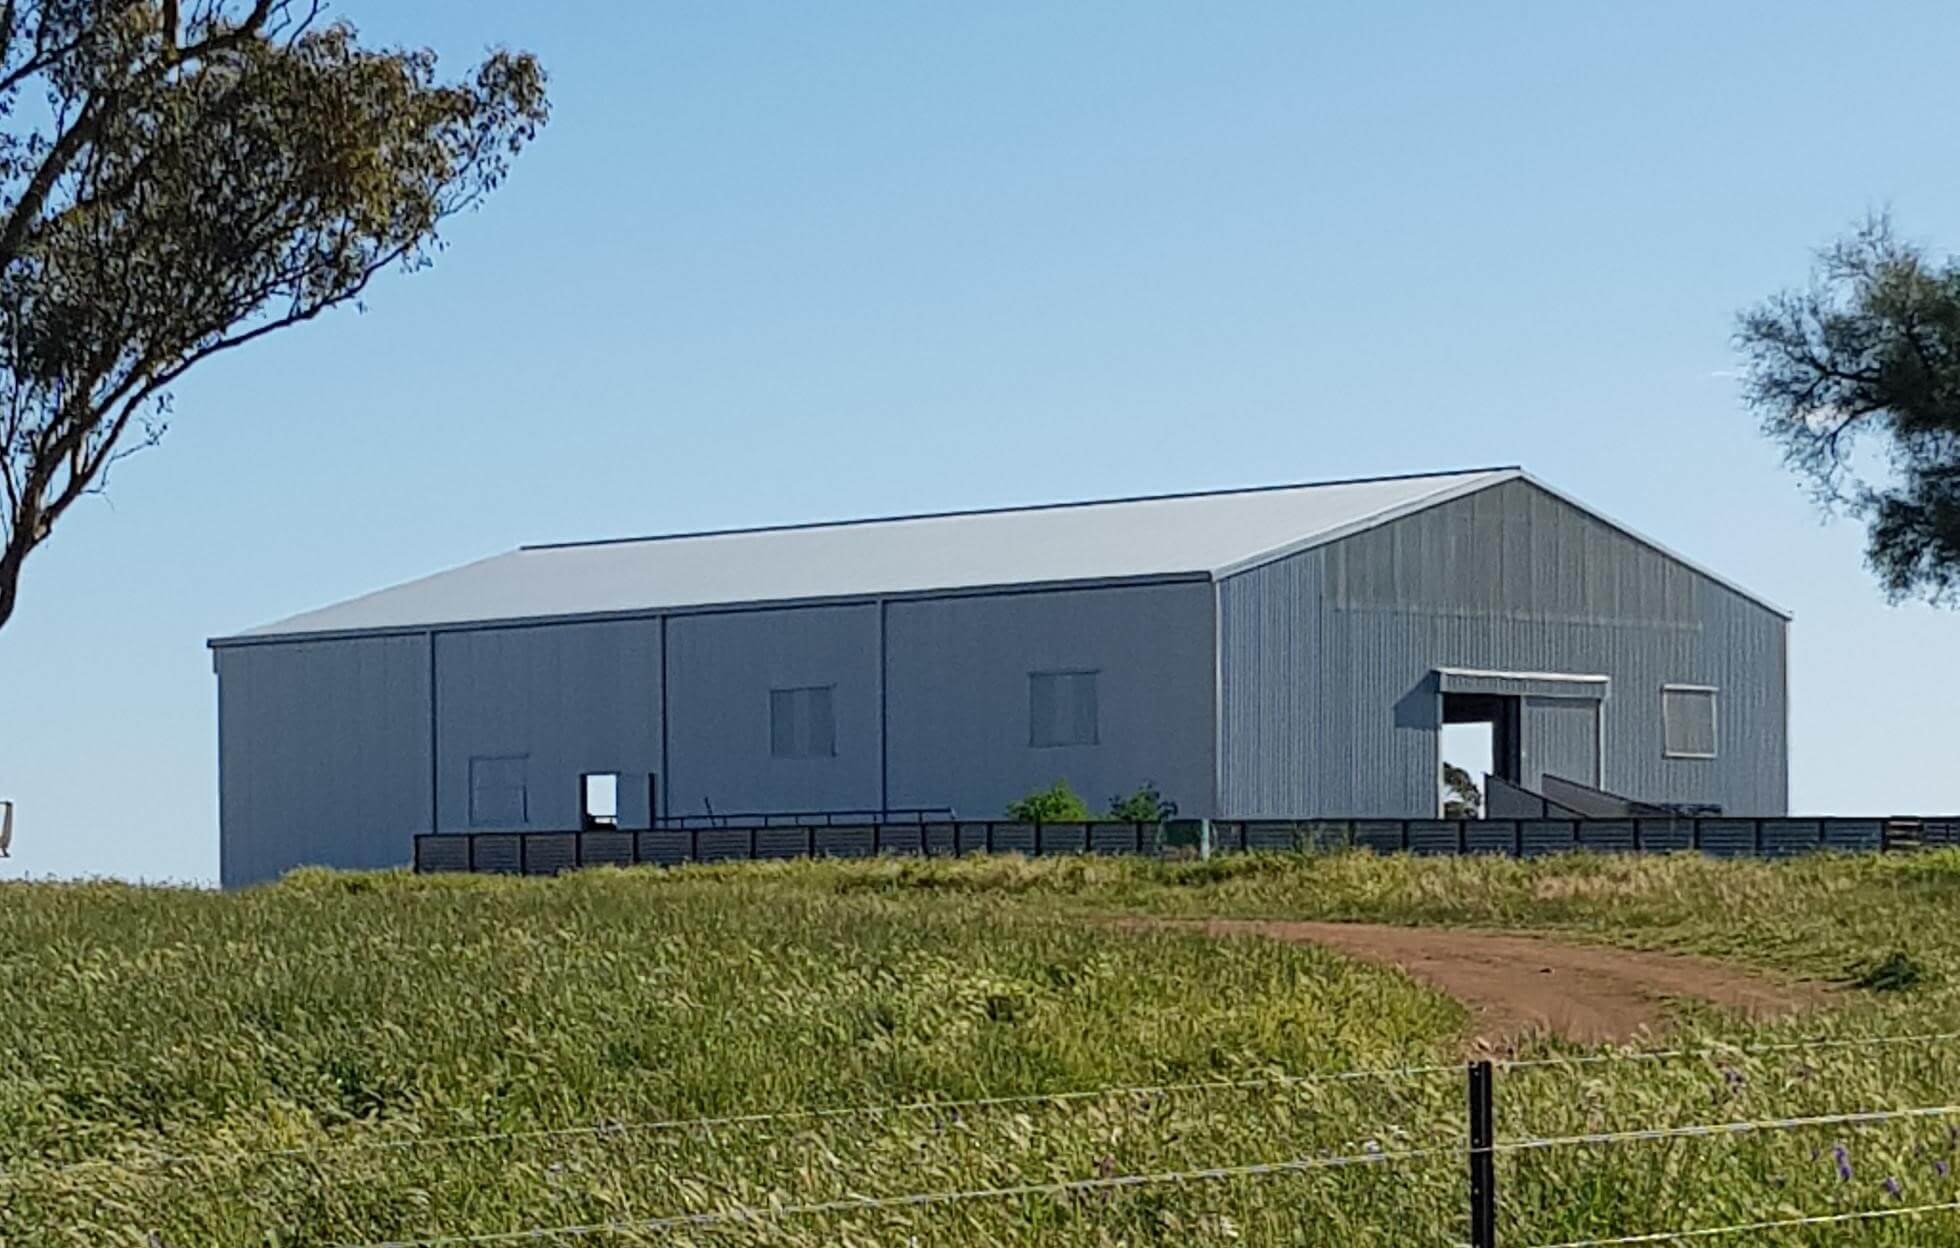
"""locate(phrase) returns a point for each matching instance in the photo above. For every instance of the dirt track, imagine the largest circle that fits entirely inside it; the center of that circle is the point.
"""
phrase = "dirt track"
(1519, 984)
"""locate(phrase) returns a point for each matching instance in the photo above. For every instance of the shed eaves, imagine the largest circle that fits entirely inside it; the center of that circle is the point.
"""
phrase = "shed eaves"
(1122, 539)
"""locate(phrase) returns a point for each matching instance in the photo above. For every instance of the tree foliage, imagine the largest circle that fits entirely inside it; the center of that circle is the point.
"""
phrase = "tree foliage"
(181, 177)
(1868, 356)
(1462, 799)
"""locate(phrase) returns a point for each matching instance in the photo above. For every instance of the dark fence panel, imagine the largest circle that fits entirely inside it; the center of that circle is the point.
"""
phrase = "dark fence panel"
(1606, 836)
(1228, 836)
(1661, 836)
(1786, 838)
(1434, 836)
(906, 839)
(1384, 836)
(844, 842)
(1854, 834)
(783, 842)
(1728, 838)
(442, 853)
(1940, 832)
(1491, 836)
(1117, 838)
(1327, 834)
(1273, 835)
(547, 853)
(1012, 838)
(500, 853)
(722, 844)
(605, 849)
(1061, 838)
(663, 845)
(1537, 837)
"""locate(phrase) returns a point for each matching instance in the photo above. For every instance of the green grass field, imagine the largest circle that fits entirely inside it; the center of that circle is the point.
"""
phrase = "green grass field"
(291, 1065)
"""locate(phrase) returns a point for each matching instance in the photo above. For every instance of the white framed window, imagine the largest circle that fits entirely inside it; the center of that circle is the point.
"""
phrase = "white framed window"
(803, 722)
(1688, 721)
(1062, 709)
(499, 796)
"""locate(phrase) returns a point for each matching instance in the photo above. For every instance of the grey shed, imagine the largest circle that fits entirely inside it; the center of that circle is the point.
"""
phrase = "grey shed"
(1284, 651)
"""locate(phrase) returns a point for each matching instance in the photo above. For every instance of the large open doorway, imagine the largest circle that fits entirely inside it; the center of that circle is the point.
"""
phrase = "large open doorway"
(1479, 740)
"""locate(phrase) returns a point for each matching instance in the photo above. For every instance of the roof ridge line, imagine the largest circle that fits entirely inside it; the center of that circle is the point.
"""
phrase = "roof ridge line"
(1021, 507)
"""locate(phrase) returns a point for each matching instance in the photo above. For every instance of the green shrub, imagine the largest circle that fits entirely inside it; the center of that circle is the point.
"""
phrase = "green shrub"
(1057, 803)
(1146, 805)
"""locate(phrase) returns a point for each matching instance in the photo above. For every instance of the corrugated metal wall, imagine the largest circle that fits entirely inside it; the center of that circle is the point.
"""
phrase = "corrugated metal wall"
(1329, 703)
(323, 755)
(721, 669)
(958, 695)
(564, 698)
(1560, 736)
(325, 745)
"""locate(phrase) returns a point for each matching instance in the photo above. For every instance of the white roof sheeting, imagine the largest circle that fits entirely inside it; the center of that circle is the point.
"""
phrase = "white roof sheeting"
(1211, 534)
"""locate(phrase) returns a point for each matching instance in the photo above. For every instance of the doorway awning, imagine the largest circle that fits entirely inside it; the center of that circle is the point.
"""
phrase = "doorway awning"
(1524, 684)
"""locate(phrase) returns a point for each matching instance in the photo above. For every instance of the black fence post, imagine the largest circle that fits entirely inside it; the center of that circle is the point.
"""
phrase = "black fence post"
(524, 853)
(471, 851)
(1483, 1160)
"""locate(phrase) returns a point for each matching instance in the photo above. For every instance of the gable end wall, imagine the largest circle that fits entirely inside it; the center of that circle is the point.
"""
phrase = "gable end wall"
(1328, 703)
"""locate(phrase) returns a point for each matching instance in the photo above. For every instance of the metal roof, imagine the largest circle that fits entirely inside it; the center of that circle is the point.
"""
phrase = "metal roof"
(1129, 539)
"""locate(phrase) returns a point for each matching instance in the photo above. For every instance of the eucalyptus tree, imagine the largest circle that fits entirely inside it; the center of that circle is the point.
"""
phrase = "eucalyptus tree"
(180, 178)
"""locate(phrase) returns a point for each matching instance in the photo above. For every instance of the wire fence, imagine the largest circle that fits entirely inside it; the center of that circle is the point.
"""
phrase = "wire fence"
(1477, 1148)
(615, 1129)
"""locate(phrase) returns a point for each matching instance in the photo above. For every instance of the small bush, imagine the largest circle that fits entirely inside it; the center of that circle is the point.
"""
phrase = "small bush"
(1146, 805)
(1057, 803)
(1897, 971)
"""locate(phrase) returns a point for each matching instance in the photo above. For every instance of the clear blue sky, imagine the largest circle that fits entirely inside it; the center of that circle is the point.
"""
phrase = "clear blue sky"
(780, 262)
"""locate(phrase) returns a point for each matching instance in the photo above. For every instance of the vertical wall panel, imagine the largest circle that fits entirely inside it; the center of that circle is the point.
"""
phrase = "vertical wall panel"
(1560, 737)
(566, 698)
(323, 755)
(958, 695)
(721, 669)
(1511, 579)
(1269, 626)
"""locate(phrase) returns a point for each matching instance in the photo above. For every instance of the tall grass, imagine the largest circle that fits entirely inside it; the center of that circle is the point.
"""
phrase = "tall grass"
(288, 1065)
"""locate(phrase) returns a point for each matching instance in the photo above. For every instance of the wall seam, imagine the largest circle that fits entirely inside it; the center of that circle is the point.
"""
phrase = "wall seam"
(666, 785)
(435, 757)
(884, 721)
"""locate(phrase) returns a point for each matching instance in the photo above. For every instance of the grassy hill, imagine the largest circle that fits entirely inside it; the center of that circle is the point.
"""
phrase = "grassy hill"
(369, 1059)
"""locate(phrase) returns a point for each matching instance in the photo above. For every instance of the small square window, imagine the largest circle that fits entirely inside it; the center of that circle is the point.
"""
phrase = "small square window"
(498, 796)
(1062, 709)
(1687, 721)
(598, 794)
(802, 722)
